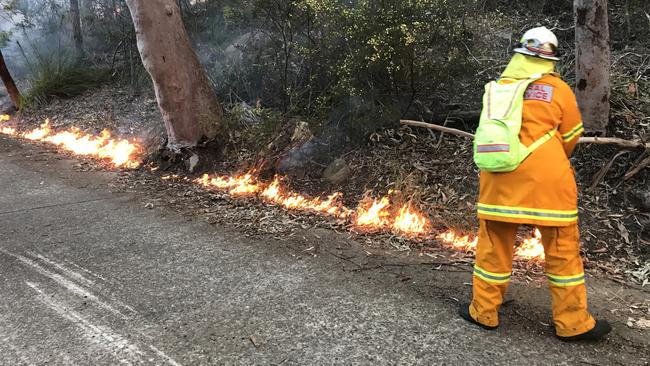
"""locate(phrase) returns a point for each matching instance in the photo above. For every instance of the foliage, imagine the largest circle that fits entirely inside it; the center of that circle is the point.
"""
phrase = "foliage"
(4, 38)
(305, 57)
(61, 77)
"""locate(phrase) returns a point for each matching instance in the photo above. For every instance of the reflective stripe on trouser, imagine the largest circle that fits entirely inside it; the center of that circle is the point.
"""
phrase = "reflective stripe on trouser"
(566, 280)
(528, 213)
(494, 259)
(564, 272)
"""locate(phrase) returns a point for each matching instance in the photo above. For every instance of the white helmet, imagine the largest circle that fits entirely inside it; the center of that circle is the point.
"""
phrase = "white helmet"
(539, 42)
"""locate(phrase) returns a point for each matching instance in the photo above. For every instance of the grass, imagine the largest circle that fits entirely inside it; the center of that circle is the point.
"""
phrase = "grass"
(57, 77)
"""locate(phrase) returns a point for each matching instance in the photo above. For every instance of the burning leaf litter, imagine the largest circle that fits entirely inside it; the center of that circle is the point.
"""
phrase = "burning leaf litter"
(373, 215)
(530, 248)
(379, 214)
(121, 152)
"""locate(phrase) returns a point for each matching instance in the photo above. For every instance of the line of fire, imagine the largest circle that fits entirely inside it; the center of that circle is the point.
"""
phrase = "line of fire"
(371, 215)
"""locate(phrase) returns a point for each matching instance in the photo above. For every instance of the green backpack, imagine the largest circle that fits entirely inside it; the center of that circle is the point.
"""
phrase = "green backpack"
(497, 147)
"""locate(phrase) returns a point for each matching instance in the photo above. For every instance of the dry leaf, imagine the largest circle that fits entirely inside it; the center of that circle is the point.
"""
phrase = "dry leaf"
(632, 88)
(624, 233)
(638, 324)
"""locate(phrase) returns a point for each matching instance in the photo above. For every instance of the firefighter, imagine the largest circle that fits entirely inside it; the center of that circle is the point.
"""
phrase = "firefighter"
(542, 192)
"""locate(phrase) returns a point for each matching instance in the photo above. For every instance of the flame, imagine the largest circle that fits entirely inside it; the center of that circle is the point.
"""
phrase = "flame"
(410, 222)
(237, 185)
(330, 206)
(272, 192)
(374, 216)
(39, 133)
(457, 241)
(170, 177)
(6, 130)
(121, 153)
(531, 248)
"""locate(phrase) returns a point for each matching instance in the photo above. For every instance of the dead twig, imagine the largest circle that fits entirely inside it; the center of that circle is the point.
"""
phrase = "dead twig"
(603, 171)
(634, 170)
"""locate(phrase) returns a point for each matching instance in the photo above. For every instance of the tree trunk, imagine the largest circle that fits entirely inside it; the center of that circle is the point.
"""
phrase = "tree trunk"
(76, 27)
(592, 62)
(10, 85)
(87, 14)
(188, 104)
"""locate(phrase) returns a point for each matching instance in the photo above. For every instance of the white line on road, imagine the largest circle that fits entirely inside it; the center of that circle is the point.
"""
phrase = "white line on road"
(78, 276)
(87, 271)
(71, 286)
(103, 336)
(164, 356)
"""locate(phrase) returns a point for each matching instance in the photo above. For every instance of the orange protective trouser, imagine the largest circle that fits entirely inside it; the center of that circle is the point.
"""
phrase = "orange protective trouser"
(564, 271)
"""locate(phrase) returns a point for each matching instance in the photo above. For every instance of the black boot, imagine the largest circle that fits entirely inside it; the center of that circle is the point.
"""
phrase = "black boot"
(597, 333)
(463, 311)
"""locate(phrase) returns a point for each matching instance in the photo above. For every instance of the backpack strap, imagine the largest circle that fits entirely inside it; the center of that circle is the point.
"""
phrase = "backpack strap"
(498, 107)
(541, 141)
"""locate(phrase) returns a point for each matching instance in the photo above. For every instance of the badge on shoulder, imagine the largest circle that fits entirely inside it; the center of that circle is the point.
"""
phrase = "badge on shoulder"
(543, 93)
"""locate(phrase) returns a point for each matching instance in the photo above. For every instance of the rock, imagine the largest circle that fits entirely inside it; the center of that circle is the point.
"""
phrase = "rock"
(351, 121)
(337, 172)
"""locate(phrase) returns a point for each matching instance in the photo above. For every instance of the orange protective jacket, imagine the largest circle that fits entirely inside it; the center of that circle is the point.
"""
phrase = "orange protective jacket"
(542, 190)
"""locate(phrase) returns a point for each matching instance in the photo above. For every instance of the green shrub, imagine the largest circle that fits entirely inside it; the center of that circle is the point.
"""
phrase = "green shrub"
(306, 56)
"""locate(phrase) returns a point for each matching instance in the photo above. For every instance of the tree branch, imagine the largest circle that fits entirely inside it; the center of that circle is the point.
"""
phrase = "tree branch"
(583, 140)
(452, 131)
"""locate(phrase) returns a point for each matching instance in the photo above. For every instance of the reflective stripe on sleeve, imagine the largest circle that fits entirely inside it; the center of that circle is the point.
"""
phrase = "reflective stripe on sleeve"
(576, 131)
(566, 281)
(528, 213)
(491, 277)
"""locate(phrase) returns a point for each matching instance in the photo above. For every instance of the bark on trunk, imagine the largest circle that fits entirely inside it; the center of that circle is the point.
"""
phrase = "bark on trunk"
(76, 27)
(592, 62)
(10, 85)
(187, 102)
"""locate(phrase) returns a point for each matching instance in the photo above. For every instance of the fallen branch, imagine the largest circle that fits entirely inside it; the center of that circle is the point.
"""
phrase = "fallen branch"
(613, 141)
(449, 130)
(582, 140)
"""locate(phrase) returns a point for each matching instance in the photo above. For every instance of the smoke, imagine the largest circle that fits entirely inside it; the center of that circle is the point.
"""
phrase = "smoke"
(38, 31)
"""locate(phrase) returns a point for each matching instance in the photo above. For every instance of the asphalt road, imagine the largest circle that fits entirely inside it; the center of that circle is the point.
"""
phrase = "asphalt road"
(89, 277)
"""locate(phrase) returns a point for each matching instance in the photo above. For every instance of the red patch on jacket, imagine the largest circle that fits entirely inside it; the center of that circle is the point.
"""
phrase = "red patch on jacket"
(543, 93)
